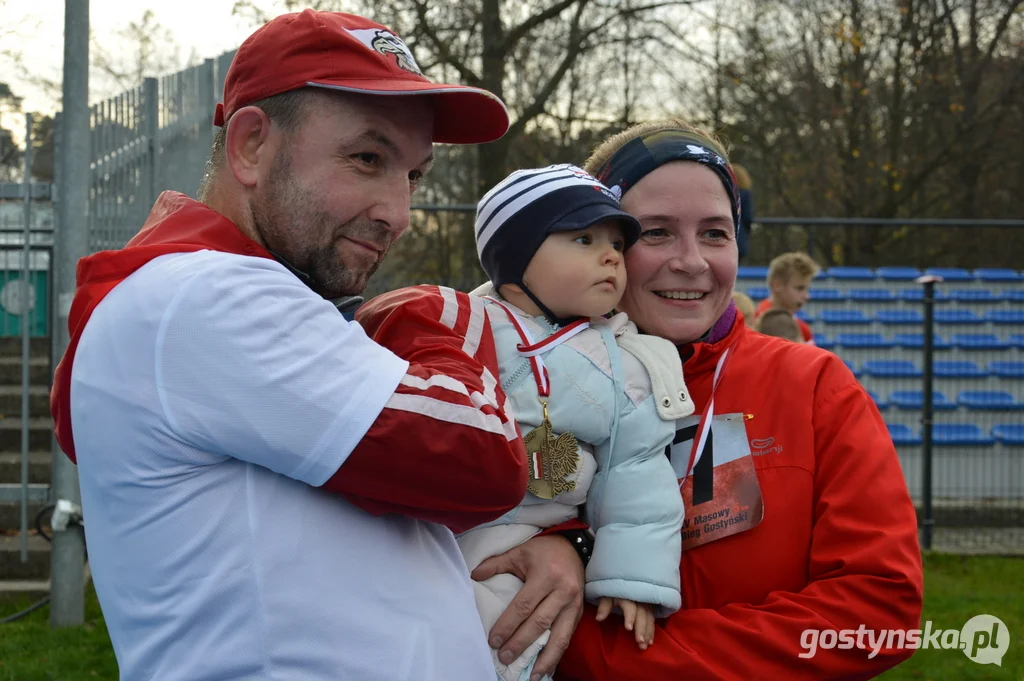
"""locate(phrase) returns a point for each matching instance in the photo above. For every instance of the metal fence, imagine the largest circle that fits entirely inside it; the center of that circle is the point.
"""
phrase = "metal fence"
(969, 487)
(944, 362)
(151, 138)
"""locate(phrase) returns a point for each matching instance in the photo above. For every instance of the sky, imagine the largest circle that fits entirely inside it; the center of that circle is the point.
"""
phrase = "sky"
(206, 27)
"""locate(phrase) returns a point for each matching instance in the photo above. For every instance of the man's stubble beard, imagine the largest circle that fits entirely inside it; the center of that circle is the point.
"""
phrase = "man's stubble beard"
(288, 218)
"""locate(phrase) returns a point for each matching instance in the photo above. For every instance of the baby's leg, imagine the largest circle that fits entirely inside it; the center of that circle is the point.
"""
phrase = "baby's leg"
(492, 597)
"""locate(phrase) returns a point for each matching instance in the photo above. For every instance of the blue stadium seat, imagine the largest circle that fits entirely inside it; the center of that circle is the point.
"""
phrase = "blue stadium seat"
(891, 368)
(862, 340)
(1004, 369)
(898, 273)
(901, 434)
(915, 341)
(960, 435)
(827, 295)
(852, 368)
(851, 273)
(1014, 296)
(957, 316)
(989, 400)
(914, 399)
(950, 273)
(899, 317)
(804, 316)
(972, 295)
(752, 272)
(879, 402)
(1017, 340)
(959, 369)
(978, 341)
(1011, 434)
(1001, 316)
(916, 295)
(872, 295)
(757, 293)
(843, 317)
(994, 274)
(823, 341)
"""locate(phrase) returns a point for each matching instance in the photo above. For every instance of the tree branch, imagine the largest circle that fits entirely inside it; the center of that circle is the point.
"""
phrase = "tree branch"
(517, 33)
(572, 51)
(443, 55)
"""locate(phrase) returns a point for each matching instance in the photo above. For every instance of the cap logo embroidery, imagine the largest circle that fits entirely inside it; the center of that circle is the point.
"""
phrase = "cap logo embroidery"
(387, 43)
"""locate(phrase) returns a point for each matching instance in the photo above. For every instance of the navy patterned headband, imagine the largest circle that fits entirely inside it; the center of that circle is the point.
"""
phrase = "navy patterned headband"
(640, 156)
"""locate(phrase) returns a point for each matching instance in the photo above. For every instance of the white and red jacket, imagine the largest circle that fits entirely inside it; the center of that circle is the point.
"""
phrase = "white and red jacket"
(267, 491)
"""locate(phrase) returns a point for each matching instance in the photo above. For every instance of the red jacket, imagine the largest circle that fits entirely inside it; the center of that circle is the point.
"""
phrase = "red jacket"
(448, 397)
(837, 546)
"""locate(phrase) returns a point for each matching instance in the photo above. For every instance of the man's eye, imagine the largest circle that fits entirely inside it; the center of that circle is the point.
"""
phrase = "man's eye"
(414, 177)
(368, 158)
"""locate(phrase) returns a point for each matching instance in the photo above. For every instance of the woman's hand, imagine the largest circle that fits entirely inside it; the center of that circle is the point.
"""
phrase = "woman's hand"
(551, 598)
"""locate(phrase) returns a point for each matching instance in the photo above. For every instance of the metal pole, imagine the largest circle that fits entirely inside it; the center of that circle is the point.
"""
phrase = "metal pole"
(67, 582)
(927, 409)
(26, 323)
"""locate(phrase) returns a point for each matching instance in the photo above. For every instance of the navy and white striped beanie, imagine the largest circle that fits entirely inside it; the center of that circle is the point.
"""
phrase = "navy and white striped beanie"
(514, 218)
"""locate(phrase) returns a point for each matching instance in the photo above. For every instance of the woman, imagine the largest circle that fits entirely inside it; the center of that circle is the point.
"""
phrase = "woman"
(837, 545)
(803, 527)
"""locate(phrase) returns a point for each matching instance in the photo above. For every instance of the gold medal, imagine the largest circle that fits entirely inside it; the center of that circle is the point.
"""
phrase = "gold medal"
(550, 459)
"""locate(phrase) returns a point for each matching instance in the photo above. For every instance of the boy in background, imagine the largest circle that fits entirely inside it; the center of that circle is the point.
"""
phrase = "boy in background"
(780, 324)
(789, 280)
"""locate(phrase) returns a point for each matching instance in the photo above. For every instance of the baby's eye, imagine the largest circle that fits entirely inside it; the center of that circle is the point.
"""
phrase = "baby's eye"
(584, 239)
(619, 245)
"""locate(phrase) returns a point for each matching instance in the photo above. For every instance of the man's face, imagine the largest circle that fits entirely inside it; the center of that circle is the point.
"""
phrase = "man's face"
(792, 294)
(338, 192)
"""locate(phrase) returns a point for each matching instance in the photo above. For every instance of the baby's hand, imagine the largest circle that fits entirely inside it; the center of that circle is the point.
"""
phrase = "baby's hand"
(639, 618)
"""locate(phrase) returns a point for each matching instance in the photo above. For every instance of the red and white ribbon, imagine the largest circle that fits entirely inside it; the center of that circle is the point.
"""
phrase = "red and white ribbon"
(533, 351)
(706, 417)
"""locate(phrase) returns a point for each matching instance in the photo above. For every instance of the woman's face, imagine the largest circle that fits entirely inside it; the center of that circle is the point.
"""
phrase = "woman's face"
(682, 271)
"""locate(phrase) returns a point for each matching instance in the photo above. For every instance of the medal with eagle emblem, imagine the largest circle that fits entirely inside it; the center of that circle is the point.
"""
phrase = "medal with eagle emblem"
(551, 459)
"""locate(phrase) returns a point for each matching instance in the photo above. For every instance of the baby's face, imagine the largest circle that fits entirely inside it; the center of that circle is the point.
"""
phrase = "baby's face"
(580, 273)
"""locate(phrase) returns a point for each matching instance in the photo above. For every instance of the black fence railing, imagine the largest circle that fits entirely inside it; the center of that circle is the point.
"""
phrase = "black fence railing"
(944, 362)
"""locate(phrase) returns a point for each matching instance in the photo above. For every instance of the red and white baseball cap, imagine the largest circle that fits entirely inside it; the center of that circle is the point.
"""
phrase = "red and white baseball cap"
(350, 53)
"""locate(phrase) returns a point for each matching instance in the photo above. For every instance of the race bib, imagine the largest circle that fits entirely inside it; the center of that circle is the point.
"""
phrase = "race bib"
(722, 495)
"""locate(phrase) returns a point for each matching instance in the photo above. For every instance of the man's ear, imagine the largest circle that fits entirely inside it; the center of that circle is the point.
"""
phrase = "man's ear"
(247, 145)
(775, 285)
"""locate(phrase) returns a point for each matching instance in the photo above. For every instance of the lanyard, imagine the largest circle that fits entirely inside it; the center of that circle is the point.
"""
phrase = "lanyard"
(533, 351)
(704, 427)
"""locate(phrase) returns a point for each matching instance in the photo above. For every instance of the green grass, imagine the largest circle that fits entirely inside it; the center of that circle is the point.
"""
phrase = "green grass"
(956, 589)
(31, 651)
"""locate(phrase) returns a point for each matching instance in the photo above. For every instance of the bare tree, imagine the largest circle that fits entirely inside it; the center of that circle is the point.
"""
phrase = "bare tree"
(141, 49)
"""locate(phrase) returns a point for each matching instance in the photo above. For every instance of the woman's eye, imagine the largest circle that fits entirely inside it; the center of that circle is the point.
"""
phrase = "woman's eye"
(653, 233)
(717, 234)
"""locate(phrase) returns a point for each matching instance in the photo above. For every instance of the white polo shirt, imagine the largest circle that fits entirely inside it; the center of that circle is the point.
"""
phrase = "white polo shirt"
(211, 394)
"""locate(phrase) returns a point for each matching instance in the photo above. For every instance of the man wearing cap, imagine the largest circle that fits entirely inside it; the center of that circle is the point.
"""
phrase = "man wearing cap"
(268, 493)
